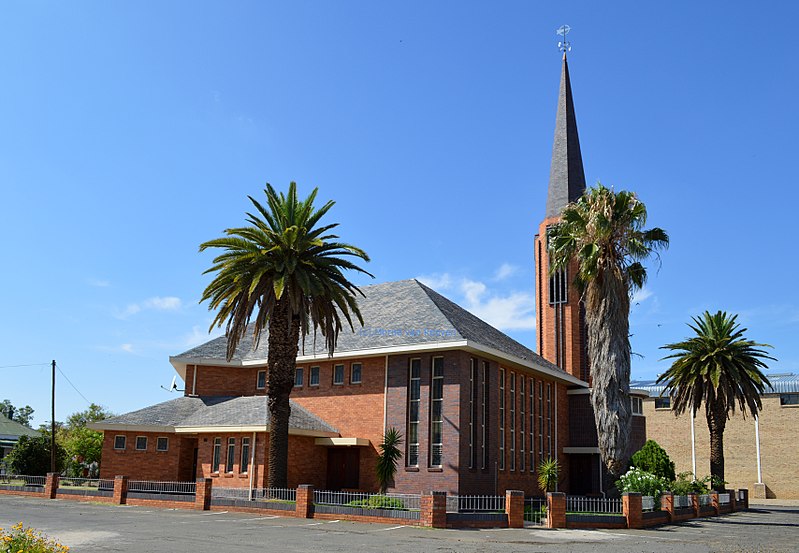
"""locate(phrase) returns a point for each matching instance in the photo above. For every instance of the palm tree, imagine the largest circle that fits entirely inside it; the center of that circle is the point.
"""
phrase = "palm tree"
(602, 239)
(720, 368)
(390, 454)
(285, 274)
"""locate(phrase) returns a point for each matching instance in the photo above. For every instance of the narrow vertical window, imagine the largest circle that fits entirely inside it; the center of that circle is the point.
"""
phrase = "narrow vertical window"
(217, 457)
(245, 455)
(522, 421)
(355, 373)
(261, 380)
(512, 421)
(549, 420)
(472, 407)
(540, 421)
(532, 425)
(231, 452)
(501, 419)
(298, 377)
(484, 418)
(313, 379)
(414, 391)
(338, 374)
(437, 412)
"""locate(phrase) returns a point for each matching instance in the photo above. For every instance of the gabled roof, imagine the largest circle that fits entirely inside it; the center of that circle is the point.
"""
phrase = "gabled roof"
(12, 429)
(186, 414)
(398, 316)
(566, 175)
(786, 383)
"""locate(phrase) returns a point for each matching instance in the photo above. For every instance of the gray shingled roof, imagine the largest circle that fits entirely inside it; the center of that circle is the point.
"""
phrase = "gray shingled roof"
(780, 384)
(215, 411)
(395, 314)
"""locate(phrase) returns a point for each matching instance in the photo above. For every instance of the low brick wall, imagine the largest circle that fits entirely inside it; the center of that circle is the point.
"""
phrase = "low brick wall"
(654, 518)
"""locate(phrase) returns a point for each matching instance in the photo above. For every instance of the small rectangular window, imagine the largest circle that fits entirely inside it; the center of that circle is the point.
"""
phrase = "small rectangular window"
(261, 380)
(637, 405)
(355, 373)
(120, 442)
(141, 443)
(314, 378)
(245, 454)
(298, 379)
(231, 452)
(217, 457)
(789, 399)
(662, 403)
(162, 444)
(338, 374)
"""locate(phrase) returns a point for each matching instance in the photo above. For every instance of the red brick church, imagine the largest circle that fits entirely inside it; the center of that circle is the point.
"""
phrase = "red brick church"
(477, 410)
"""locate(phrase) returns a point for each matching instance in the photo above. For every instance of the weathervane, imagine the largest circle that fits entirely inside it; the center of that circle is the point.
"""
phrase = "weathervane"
(564, 45)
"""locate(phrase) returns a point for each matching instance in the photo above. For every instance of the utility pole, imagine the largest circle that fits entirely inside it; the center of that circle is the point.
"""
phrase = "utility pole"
(52, 424)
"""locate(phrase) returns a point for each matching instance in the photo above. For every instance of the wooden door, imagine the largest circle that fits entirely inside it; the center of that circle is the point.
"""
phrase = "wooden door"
(343, 465)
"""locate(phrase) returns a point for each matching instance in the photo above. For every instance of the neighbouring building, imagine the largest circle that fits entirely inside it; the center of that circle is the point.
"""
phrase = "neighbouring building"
(10, 433)
(759, 454)
(478, 411)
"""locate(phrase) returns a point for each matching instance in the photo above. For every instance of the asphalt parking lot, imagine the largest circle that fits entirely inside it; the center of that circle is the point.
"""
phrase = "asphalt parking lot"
(99, 527)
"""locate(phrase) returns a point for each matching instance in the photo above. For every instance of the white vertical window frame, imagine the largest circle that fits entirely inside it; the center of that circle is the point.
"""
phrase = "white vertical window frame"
(414, 402)
(501, 419)
(522, 421)
(532, 424)
(512, 421)
(231, 455)
(472, 407)
(244, 465)
(484, 418)
(549, 420)
(540, 421)
(216, 458)
(437, 412)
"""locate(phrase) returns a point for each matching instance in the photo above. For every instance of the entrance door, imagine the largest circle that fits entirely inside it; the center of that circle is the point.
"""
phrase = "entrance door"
(343, 467)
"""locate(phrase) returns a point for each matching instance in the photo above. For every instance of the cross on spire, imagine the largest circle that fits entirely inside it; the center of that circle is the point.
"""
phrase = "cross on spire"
(564, 45)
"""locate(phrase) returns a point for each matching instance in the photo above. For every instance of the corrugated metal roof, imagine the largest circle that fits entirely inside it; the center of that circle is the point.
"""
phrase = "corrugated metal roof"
(784, 383)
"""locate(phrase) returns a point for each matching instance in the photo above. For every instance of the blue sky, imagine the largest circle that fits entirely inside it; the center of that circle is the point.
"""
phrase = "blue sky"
(132, 132)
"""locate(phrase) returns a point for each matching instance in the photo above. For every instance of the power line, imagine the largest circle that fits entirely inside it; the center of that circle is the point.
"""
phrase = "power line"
(28, 365)
(73, 386)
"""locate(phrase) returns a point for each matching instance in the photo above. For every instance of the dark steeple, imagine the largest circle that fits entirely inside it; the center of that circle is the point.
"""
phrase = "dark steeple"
(566, 175)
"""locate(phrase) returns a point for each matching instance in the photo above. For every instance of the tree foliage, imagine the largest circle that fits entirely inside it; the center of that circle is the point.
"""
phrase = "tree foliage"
(601, 240)
(653, 459)
(83, 445)
(22, 415)
(31, 456)
(720, 368)
(284, 273)
(548, 475)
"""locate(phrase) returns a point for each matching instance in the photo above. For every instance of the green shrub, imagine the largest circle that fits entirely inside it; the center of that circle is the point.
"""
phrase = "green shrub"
(654, 459)
(378, 502)
(645, 483)
(685, 483)
(548, 475)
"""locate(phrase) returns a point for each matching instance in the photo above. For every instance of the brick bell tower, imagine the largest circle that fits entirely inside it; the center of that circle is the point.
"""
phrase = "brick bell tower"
(561, 325)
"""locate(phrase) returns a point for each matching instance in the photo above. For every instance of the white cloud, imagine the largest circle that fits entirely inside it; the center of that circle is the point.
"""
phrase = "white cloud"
(503, 309)
(98, 283)
(641, 295)
(156, 303)
(436, 281)
(127, 348)
(505, 270)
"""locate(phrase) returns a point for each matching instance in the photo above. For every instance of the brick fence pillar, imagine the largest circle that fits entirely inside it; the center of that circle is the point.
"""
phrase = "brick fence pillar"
(51, 485)
(744, 498)
(667, 504)
(304, 505)
(202, 494)
(714, 501)
(514, 508)
(694, 503)
(434, 509)
(633, 509)
(121, 490)
(556, 510)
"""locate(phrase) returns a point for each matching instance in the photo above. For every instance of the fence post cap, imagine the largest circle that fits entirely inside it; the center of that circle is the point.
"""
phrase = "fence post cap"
(556, 494)
(514, 492)
(120, 477)
(305, 486)
(632, 494)
(436, 493)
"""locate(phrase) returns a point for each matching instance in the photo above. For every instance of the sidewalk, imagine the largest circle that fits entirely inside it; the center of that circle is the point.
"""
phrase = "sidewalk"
(773, 502)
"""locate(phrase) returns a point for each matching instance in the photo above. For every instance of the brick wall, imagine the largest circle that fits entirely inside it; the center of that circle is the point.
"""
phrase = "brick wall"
(147, 464)
(223, 381)
(777, 442)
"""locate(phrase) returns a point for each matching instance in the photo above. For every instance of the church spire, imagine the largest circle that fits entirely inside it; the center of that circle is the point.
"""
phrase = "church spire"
(566, 176)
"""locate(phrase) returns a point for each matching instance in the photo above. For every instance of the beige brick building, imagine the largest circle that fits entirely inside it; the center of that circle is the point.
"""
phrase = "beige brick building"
(776, 431)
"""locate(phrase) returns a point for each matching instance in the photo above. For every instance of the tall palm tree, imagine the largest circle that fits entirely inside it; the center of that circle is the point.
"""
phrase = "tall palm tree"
(601, 237)
(720, 368)
(284, 273)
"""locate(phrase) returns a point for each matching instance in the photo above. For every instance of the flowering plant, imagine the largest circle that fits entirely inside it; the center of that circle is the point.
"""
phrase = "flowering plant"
(645, 483)
(29, 541)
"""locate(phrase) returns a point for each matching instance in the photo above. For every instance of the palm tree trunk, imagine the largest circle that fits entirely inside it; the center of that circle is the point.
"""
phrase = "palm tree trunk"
(284, 331)
(716, 422)
(607, 318)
